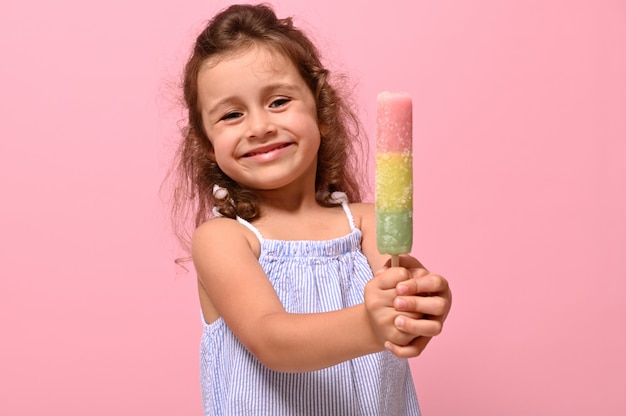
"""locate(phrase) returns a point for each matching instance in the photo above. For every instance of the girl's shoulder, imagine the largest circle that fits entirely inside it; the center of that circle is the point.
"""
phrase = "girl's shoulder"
(364, 218)
(222, 233)
(363, 213)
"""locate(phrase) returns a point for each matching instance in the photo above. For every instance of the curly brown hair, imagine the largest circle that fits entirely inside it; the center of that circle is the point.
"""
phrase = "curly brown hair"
(237, 27)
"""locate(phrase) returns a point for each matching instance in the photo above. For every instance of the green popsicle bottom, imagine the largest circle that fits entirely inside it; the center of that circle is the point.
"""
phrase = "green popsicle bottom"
(394, 231)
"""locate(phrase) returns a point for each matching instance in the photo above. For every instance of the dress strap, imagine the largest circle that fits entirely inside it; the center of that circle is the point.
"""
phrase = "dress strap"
(336, 197)
(341, 197)
(346, 208)
(251, 227)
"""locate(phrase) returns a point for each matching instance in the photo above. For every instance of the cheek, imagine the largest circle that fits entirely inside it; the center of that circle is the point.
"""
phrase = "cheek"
(212, 145)
(319, 132)
(218, 155)
(222, 155)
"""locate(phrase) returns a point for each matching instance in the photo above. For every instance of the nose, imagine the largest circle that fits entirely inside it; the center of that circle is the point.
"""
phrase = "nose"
(260, 124)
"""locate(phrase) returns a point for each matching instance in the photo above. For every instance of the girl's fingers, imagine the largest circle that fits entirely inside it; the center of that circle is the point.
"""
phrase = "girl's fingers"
(426, 326)
(407, 262)
(428, 305)
(422, 283)
(390, 278)
(413, 349)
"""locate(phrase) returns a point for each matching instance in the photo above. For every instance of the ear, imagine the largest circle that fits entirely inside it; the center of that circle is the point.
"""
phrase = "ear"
(208, 145)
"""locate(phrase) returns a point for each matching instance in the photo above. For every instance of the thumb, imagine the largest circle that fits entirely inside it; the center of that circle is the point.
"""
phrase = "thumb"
(388, 278)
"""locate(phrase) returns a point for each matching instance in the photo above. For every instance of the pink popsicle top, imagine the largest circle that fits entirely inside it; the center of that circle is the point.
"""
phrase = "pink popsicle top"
(394, 127)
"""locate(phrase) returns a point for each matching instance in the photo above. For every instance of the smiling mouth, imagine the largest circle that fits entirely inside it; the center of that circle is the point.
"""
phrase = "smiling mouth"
(267, 150)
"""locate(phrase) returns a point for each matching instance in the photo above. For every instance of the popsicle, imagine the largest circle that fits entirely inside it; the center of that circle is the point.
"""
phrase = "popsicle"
(394, 174)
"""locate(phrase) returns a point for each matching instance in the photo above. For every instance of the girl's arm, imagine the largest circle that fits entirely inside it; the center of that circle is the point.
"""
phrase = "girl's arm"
(229, 272)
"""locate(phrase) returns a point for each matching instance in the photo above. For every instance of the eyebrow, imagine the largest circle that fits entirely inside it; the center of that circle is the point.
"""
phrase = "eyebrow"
(281, 85)
(215, 108)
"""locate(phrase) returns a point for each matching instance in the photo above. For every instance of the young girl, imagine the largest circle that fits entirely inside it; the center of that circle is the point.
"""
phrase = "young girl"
(295, 322)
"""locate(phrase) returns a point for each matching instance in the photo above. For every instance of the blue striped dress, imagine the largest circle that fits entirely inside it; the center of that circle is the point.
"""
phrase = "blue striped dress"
(309, 277)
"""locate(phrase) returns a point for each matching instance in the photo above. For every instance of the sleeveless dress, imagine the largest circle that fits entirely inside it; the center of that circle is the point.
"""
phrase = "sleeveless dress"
(309, 277)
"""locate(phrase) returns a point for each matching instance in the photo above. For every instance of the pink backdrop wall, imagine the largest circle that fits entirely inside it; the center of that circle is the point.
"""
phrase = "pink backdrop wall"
(520, 137)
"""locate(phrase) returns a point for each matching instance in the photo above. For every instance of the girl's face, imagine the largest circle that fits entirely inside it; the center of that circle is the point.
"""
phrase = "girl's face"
(261, 119)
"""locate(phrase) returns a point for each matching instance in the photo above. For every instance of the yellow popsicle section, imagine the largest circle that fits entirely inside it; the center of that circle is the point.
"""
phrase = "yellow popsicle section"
(394, 181)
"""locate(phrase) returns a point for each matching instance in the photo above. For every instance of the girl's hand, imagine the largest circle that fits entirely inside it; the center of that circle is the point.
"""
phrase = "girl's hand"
(426, 295)
(380, 293)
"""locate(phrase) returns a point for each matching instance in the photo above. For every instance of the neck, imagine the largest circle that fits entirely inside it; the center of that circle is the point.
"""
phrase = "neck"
(287, 202)
(298, 216)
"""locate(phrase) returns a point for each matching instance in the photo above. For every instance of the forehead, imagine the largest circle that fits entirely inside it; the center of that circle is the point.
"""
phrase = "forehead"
(257, 58)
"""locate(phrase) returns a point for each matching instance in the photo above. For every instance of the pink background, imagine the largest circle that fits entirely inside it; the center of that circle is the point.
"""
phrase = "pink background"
(520, 137)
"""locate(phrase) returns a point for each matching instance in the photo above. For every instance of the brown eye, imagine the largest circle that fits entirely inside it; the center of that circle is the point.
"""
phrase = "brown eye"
(231, 116)
(280, 102)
